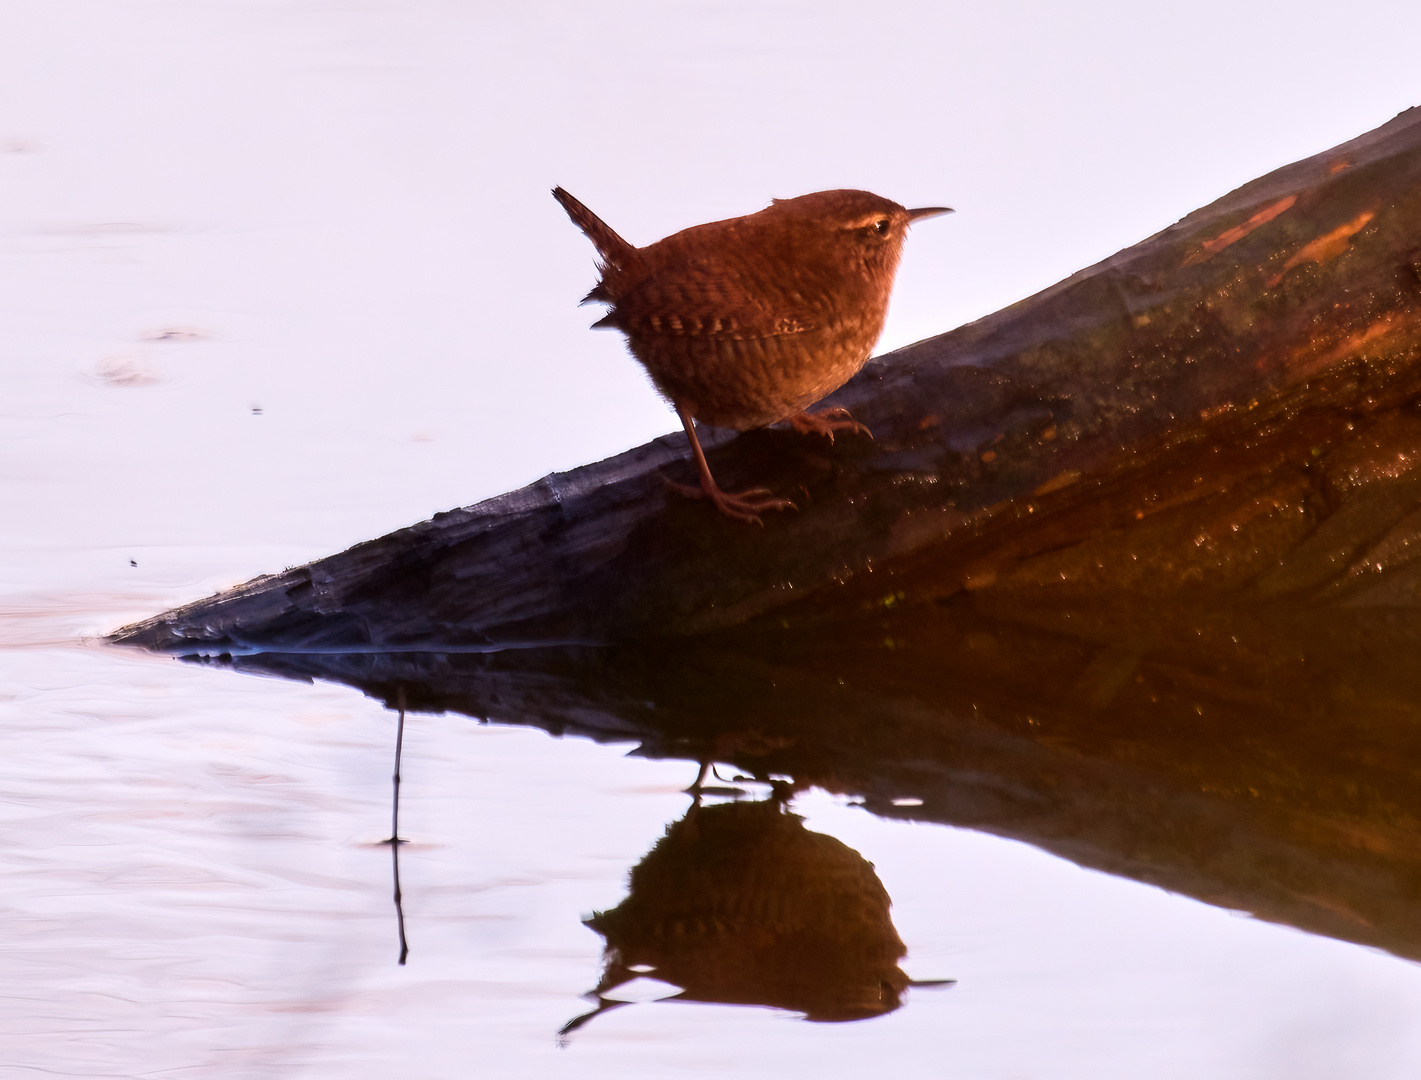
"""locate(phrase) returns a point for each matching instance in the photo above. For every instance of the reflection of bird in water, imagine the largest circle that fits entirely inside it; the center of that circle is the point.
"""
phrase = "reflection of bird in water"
(746, 322)
(740, 903)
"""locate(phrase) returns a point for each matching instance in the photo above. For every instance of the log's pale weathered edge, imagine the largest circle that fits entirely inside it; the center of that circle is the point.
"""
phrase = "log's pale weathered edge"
(601, 552)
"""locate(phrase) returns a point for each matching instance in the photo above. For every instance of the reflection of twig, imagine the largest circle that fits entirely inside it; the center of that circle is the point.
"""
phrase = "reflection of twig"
(399, 908)
(395, 839)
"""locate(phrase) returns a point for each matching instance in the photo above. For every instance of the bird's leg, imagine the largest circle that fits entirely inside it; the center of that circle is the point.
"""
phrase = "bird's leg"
(826, 422)
(743, 505)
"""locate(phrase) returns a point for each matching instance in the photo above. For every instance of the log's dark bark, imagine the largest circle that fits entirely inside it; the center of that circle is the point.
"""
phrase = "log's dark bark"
(1311, 268)
(1129, 572)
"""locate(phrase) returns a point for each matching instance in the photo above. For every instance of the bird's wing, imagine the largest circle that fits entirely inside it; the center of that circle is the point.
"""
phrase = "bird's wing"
(707, 298)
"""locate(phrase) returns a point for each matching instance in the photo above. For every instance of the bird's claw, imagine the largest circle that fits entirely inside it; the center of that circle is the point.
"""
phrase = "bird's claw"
(826, 423)
(742, 505)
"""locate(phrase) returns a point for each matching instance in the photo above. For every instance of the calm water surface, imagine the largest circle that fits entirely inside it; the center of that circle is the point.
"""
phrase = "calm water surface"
(194, 886)
(238, 252)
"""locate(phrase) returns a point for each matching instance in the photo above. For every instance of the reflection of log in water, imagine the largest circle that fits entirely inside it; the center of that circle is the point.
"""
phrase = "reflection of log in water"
(1263, 757)
(741, 904)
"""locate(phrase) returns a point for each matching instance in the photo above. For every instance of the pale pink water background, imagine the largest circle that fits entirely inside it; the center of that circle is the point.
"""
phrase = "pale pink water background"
(278, 277)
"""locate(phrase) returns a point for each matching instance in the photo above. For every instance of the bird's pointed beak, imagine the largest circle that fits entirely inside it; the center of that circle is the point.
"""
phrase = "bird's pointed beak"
(927, 211)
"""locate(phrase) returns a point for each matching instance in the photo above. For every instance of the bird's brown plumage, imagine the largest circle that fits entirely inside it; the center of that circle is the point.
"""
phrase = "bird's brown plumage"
(746, 322)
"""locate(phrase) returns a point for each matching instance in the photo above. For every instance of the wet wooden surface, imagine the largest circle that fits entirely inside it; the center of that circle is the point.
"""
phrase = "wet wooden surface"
(1310, 269)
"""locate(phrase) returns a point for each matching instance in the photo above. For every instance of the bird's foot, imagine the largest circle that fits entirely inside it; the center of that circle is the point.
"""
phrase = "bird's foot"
(742, 505)
(826, 423)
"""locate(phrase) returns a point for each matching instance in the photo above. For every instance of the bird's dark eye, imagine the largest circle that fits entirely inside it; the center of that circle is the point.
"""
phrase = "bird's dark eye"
(881, 226)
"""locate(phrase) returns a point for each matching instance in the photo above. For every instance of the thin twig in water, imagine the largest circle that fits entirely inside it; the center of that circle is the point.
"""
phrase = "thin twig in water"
(395, 839)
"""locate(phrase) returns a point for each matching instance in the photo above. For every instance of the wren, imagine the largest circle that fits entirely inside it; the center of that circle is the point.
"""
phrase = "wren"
(746, 322)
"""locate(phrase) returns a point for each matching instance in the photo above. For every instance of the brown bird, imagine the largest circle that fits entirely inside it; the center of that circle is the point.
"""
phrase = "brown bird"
(746, 322)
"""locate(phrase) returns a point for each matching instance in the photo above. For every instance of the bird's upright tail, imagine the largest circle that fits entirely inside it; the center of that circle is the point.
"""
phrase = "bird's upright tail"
(615, 251)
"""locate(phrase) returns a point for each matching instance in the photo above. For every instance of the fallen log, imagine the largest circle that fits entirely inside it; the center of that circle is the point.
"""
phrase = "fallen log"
(1310, 269)
(1130, 572)
(1196, 669)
